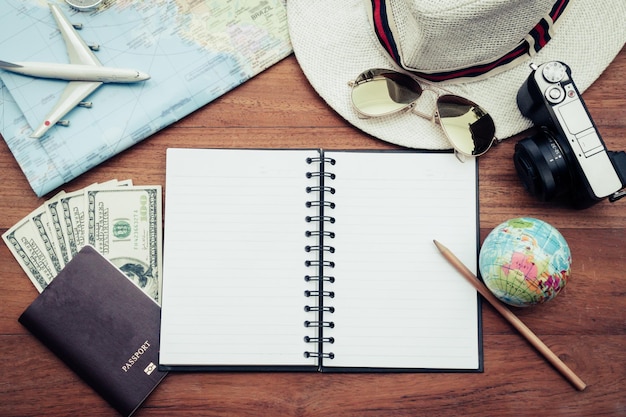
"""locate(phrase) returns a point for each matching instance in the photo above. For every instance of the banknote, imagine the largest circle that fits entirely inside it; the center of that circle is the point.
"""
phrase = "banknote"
(122, 221)
(72, 220)
(43, 227)
(39, 241)
(30, 245)
(53, 209)
(67, 211)
(125, 225)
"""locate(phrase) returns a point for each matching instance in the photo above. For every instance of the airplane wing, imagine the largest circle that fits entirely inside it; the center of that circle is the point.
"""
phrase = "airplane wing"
(73, 94)
(77, 49)
(76, 91)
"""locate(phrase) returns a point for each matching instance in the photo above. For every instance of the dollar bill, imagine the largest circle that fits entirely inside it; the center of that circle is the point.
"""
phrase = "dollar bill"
(53, 209)
(123, 222)
(34, 254)
(71, 215)
(72, 218)
(43, 227)
(125, 225)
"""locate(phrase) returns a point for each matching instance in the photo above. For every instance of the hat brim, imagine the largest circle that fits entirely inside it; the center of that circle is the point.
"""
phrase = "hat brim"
(333, 44)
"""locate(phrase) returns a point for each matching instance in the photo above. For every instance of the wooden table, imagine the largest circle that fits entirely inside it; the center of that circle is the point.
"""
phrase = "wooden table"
(585, 326)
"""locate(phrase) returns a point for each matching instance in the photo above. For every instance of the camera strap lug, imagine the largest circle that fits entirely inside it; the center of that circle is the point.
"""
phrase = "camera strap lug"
(616, 196)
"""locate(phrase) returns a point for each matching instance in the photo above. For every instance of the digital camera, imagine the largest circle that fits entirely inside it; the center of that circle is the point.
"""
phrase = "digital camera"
(567, 159)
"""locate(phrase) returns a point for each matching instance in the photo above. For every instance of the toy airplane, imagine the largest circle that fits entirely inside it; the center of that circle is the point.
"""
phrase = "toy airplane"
(85, 74)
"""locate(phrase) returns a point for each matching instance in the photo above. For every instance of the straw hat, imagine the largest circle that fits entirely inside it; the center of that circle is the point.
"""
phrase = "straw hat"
(477, 49)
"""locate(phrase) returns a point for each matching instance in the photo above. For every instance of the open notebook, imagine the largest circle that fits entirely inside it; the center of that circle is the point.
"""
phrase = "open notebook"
(318, 260)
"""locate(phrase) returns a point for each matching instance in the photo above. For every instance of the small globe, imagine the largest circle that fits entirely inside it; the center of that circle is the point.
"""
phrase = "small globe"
(525, 261)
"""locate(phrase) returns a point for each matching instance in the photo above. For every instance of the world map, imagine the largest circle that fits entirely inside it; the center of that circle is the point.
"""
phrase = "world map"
(525, 261)
(194, 51)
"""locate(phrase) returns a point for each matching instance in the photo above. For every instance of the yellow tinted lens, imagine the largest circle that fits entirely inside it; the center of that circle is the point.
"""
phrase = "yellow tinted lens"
(384, 93)
(470, 129)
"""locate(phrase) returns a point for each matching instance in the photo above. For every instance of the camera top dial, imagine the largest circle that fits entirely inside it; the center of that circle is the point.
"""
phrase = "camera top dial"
(553, 72)
(551, 100)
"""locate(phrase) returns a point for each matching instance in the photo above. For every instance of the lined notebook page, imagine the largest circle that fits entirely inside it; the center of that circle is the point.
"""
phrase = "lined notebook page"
(234, 258)
(398, 303)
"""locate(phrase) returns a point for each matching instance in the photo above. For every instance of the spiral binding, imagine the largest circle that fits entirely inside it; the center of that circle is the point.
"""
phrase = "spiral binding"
(317, 339)
(323, 250)
(310, 233)
(323, 189)
(329, 294)
(321, 158)
(320, 203)
(318, 308)
(308, 323)
(330, 355)
(315, 219)
(309, 248)
(328, 264)
(328, 278)
(320, 174)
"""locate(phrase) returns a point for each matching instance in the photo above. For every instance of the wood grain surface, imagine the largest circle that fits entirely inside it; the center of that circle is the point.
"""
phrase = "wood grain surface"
(585, 325)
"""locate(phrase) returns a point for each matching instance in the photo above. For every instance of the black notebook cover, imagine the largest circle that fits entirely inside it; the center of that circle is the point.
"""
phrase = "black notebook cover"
(103, 327)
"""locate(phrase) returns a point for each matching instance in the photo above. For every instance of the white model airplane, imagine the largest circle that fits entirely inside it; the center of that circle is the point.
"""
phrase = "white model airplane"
(85, 73)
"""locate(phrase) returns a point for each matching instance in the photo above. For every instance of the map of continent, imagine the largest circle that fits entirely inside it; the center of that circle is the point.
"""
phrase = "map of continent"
(194, 51)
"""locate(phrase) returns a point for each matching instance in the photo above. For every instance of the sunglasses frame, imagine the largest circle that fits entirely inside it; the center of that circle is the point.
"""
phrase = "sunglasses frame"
(376, 74)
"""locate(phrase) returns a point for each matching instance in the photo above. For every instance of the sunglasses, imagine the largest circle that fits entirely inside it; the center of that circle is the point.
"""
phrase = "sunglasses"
(381, 92)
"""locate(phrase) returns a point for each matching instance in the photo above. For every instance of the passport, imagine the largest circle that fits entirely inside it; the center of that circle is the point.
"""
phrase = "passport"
(102, 326)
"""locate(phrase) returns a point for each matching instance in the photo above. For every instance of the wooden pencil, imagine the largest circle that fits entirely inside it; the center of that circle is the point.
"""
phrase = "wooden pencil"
(512, 318)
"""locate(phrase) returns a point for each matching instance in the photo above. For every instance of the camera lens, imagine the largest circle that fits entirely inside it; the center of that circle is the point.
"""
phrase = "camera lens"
(542, 166)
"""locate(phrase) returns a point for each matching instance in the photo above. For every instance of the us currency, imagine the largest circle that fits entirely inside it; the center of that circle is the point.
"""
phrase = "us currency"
(125, 225)
(54, 213)
(72, 207)
(43, 226)
(46, 239)
(70, 215)
(30, 244)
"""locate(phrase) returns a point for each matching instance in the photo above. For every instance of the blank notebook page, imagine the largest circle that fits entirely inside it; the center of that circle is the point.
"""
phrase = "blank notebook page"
(398, 303)
(234, 258)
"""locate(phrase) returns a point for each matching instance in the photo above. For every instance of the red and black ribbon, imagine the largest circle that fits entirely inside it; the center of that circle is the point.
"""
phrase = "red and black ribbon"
(540, 35)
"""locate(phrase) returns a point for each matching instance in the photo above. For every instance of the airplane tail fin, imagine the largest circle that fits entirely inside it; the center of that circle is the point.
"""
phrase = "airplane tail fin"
(8, 65)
